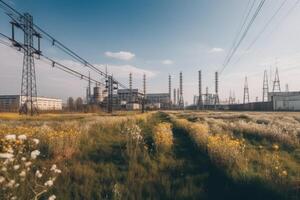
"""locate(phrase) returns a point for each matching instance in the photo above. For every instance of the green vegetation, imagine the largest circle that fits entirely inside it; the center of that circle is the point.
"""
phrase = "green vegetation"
(171, 155)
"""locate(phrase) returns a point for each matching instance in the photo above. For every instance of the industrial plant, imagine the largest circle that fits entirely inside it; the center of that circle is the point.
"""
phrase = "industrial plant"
(110, 94)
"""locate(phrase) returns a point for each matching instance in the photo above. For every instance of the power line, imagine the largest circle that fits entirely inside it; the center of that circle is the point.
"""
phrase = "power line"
(263, 29)
(242, 24)
(55, 64)
(258, 9)
(11, 11)
(294, 6)
(267, 24)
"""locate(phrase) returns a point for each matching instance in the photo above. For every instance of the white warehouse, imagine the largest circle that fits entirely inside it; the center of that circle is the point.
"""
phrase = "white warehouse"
(13, 103)
(285, 101)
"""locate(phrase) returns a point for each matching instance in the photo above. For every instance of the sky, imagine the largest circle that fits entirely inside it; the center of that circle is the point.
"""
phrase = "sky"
(158, 38)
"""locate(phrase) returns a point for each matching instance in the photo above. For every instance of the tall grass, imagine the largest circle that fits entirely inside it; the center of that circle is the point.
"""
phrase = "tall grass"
(250, 148)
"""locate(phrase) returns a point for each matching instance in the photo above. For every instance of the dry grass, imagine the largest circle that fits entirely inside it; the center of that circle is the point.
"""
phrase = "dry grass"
(163, 136)
(250, 145)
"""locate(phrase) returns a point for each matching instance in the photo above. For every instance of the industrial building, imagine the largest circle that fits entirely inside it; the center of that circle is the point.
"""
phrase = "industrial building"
(125, 99)
(13, 103)
(129, 96)
(158, 100)
(285, 101)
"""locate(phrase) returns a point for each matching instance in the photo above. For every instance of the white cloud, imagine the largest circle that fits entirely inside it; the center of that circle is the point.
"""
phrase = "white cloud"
(122, 55)
(167, 62)
(216, 50)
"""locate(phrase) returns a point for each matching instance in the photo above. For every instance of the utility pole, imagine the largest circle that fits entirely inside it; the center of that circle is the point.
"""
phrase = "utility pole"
(216, 90)
(28, 97)
(265, 87)
(286, 87)
(111, 86)
(246, 92)
(200, 100)
(88, 91)
(181, 101)
(276, 83)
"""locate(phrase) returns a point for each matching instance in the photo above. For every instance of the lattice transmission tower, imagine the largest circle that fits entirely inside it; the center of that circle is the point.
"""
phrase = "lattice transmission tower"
(276, 83)
(28, 86)
(130, 88)
(217, 101)
(265, 87)
(246, 92)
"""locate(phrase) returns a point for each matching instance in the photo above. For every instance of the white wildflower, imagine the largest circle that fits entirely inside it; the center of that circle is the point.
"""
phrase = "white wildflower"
(6, 155)
(22, 173)
(49, 183)
(38, 174)
(23, 159)
(27, 164)
(52, 197)
(13, 198)
(53, 168)
(34, 154)
(4, 169)
(11, 183)
(22, 137)
(10, 137)
(17, 185)
(16, 167)
(36, 141)
(2, 179)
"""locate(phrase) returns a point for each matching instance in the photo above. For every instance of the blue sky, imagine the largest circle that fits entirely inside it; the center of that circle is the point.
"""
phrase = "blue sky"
(160, 37)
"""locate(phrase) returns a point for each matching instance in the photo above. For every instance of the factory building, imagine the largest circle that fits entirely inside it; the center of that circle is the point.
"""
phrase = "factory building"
(158, 100)
(129, 96)
(285, 101)
(13, 103)
(125, 99)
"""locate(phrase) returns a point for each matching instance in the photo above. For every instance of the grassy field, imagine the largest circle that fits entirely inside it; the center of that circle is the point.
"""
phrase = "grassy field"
(157, 155)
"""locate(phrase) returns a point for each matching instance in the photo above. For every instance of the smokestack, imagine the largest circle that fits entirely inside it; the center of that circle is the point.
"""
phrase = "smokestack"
(181, 101)
(200, 101)
(174, 96)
